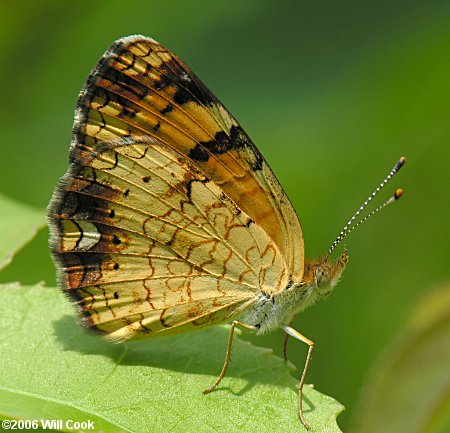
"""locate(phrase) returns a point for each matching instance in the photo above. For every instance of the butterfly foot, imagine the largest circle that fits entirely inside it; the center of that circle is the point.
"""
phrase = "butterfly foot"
(208, 390)
(304, 423)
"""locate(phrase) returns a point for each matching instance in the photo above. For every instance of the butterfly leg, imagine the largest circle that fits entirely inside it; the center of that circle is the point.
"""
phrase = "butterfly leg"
(300, 337)
(285, 341)
(228, 354)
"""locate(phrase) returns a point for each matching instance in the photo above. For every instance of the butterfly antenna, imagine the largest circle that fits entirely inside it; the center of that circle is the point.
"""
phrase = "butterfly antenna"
(350, 226)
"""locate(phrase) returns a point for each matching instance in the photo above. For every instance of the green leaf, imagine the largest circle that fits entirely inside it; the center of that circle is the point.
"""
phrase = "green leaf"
(52, 369)
(18, 225)
(409, 390)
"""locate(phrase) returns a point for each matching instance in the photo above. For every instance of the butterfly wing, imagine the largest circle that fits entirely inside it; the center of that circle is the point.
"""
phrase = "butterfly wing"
(139, 88)
(147, 244)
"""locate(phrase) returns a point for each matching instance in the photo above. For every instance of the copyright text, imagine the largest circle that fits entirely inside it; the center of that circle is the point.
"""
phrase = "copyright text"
(50, 424)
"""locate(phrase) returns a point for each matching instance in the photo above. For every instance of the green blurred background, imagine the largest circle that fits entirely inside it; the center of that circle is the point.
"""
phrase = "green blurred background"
(333, 93)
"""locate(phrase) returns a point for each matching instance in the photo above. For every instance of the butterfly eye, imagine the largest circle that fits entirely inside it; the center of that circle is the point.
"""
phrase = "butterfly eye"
(322, 276)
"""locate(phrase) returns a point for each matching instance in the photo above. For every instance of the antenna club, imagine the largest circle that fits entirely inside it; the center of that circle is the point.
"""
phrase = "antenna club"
(400, 163)
(398, 193)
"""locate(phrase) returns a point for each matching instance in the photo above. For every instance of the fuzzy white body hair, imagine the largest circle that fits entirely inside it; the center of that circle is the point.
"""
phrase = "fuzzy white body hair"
(272, 312)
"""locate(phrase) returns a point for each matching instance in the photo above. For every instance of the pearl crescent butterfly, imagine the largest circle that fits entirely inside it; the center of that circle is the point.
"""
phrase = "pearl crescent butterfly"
(169, 219)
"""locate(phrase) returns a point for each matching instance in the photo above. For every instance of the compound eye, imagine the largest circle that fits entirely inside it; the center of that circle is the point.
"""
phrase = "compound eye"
(322, 276)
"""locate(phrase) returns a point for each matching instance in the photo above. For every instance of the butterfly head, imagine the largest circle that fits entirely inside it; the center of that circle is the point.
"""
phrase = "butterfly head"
(327, 273)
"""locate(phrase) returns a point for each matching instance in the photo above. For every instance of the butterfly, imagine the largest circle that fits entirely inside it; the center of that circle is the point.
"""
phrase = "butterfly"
(169, 219)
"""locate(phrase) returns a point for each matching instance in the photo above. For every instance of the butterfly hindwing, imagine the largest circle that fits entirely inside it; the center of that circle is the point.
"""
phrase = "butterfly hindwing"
(147, 243)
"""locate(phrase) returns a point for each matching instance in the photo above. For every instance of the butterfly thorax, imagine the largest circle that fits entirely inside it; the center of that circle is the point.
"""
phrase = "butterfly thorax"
(270, 312)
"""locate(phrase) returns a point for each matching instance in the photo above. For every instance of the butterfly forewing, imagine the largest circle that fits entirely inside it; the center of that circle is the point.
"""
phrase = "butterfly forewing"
(139, 88)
